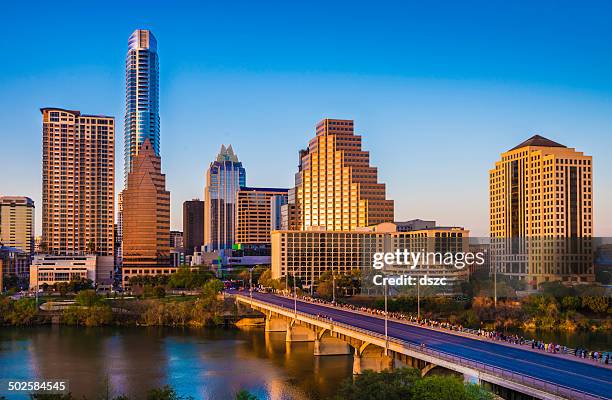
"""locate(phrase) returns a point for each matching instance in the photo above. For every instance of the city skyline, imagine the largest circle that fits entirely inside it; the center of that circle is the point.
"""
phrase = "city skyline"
(403, 111)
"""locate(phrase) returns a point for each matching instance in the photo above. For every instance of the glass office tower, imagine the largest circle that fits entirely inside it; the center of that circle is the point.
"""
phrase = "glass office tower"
(141, 95)
(224, 178)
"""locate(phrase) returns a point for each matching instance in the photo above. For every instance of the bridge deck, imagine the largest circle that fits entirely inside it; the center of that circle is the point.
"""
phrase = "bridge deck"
(579, 376)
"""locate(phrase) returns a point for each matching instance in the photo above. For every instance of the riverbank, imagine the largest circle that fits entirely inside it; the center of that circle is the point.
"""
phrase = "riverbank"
(209, 308)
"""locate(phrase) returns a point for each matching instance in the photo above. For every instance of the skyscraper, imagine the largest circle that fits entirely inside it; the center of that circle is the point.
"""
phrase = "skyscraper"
(336, 186)
(224, 178)
(141, 95)
(193, 225)
(541, 213)
(146, 217)
(78, 183)
(17, 223)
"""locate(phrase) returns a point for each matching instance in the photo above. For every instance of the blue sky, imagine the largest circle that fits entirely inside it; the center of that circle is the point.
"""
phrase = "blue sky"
(438, 91)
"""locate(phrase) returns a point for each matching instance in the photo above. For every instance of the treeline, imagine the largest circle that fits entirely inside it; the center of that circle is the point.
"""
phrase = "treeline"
(91, 309)
(407, 384)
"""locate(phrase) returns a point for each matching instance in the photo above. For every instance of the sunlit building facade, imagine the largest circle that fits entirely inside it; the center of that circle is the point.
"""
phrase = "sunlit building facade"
(541, 213)
(336, 186)
(146, 217)
(78, 189)
(254, 214)
(17, 223)
(309, 254)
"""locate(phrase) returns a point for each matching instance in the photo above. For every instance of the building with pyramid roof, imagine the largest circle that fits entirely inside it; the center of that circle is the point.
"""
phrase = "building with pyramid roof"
(146, 217)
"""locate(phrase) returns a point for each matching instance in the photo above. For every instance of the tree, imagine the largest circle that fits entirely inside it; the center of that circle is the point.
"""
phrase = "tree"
(159, 292)
(440, 388)
(87, 298)
(571, 303)
(245, 395)
(386, 385)
(165, 393)
(212, 288)
(597, 304)
(23, 312)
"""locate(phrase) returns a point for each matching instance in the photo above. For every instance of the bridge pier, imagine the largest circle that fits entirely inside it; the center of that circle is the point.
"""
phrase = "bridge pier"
(329, 346)
(297, 333)
(275, 324)
(371, 357)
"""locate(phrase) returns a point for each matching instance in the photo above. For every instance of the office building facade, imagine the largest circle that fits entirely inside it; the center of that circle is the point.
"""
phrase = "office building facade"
(17, 223)
(78, 188)
(142, 96)
(541, 213)
(146, 216)
(224, 178)
(336, 186)
(254, 214)
(193, 225)
(309, 254)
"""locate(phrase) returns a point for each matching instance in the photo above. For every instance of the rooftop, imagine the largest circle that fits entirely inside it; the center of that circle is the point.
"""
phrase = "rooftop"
(538, 141)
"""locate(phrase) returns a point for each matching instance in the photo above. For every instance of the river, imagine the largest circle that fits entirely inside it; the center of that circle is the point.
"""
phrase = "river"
(204, 363)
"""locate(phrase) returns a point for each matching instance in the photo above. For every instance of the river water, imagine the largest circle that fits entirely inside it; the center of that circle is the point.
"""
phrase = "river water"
(203, 363)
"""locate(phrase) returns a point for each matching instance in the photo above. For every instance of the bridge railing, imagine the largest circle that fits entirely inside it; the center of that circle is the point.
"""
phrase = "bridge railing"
(535, 383)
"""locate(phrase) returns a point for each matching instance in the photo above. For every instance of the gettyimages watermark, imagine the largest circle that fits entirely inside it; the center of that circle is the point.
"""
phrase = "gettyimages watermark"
(414, 263)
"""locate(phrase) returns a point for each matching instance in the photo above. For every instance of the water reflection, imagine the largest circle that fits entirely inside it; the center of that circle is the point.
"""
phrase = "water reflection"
(206, 364)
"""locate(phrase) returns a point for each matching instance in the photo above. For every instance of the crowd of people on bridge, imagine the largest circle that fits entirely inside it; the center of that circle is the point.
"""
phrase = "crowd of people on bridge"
(555, 348)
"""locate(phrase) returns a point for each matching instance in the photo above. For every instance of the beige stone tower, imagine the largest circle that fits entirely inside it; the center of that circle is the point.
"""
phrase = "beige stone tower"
(336, 187)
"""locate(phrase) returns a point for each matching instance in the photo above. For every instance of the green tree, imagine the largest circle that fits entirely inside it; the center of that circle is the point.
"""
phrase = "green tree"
(440, 388)
(386, 385)
(165, 393)
(571, 303)
(23, 312)
(245, 395)
(87, 298)
(597, 304)
(159, 292)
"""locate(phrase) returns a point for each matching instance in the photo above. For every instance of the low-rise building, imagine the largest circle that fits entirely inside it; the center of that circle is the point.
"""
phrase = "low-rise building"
(51, 269)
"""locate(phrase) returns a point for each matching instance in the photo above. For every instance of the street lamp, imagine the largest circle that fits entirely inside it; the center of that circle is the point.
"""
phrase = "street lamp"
(333, 288)
(418, 300)
(251, 284)
(386, 321)
(294, 297)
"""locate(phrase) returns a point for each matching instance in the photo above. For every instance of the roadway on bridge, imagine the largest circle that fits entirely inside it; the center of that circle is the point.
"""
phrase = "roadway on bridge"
(577, 375)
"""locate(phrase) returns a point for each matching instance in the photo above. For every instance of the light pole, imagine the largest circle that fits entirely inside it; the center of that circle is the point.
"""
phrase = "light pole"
(386, 322)
(294, 298)
(333, 288)
(495, 286)
(418, 300)
(251, 284)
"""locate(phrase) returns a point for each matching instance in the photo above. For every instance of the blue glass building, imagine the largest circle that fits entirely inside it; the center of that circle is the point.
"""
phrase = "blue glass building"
(224, 178)
(141, 95)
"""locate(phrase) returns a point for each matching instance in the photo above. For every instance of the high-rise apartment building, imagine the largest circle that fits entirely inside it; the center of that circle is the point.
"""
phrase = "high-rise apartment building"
(17, 223)
(193, 225)
(336, 186)
(78, 188)
(254, 214)
(141, 95)
(146, 217)
(224, 178)
(541, 213)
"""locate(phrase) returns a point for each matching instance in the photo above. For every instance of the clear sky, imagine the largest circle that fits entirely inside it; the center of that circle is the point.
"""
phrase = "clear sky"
(438, 91)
